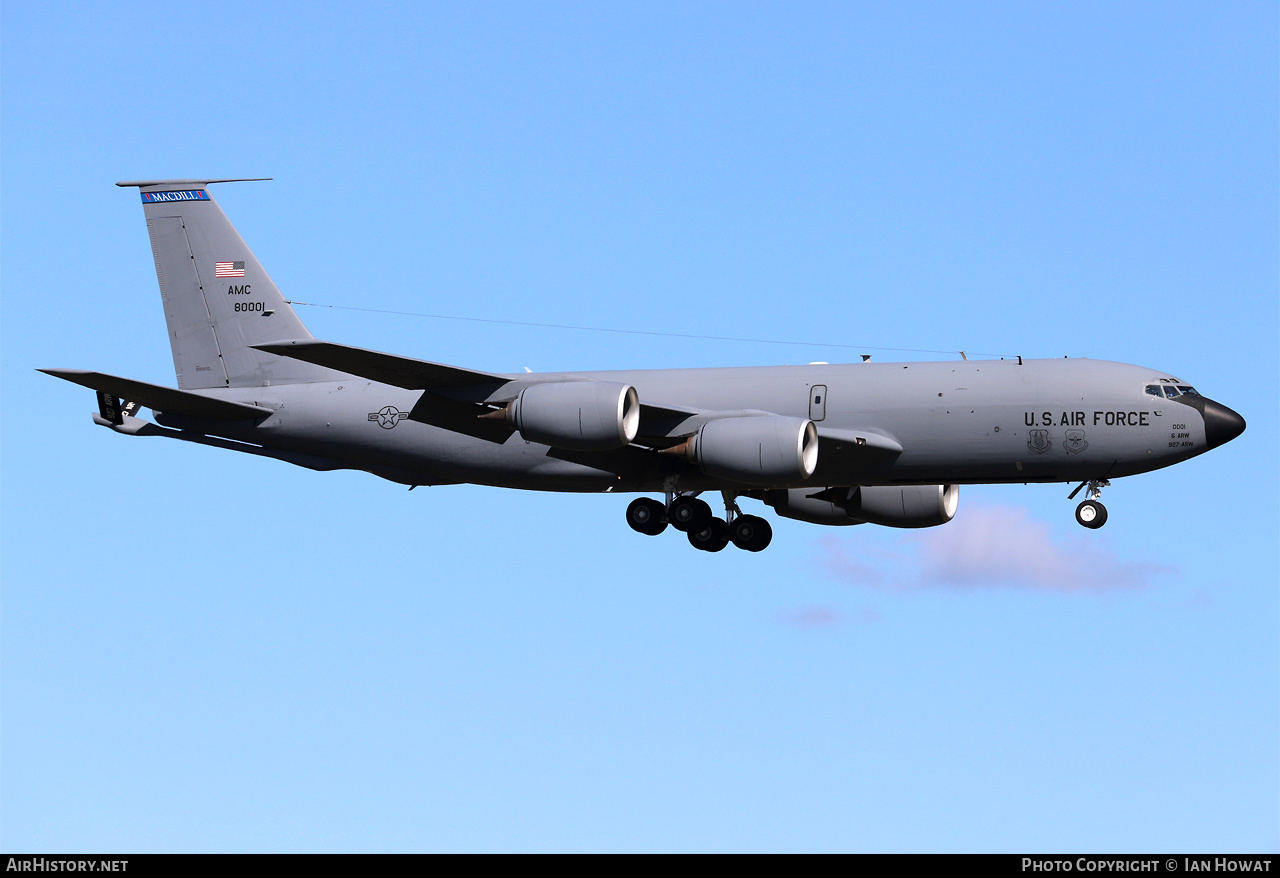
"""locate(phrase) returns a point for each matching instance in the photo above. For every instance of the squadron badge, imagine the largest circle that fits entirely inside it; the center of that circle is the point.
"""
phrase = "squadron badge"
(1038, 441)
(1074, 441)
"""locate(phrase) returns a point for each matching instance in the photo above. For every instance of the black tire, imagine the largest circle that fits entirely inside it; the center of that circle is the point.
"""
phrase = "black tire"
(1091, 514)
(751, 533)
(647, 516)
(712, 538)
(689, 514)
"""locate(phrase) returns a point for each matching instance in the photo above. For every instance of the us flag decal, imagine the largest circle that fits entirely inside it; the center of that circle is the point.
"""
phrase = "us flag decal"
(228, 269)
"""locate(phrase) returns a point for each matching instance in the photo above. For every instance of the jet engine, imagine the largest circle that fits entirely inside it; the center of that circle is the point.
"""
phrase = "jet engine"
(808, 504)
(763, 450)
(892, 506)
(905, 506)
(583, 415)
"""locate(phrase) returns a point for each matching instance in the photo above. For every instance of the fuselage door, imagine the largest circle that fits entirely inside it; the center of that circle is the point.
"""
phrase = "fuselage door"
(817, 402)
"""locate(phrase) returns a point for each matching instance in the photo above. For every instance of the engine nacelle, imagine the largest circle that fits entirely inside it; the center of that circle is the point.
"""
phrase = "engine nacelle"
(905, 506)
(763, 450)
(798, 504)
(584, 415)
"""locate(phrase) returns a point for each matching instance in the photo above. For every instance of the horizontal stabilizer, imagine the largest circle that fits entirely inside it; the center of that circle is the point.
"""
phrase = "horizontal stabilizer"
(162, 399)
(398, 371)
(146, 183)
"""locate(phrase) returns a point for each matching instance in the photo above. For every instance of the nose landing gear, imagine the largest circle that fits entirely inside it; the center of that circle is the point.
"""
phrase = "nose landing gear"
(1091, 513)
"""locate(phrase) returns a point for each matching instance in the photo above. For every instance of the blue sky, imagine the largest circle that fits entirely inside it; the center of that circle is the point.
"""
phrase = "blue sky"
(202, 651)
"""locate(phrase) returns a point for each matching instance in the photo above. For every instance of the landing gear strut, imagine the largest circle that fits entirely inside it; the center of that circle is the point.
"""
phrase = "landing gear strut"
(1091, 513)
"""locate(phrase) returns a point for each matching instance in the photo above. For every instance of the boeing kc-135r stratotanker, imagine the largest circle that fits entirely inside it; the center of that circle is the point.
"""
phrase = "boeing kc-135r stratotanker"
(885, 443)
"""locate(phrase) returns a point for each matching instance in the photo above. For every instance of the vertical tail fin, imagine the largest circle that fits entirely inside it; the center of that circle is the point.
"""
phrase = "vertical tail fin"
(218, 300)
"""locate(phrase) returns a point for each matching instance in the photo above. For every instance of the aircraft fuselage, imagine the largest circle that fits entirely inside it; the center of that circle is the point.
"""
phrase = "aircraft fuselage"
(963, 422)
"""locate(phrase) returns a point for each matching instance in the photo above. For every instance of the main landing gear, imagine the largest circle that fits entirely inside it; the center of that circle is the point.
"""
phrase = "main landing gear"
(687, 513)
(1091, 513)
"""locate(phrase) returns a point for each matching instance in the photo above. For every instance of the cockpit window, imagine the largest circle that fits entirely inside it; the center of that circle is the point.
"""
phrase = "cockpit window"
(1170, 389)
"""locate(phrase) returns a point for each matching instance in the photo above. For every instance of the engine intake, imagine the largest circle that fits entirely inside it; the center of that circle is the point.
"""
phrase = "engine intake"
(582, 415)
(764, 450)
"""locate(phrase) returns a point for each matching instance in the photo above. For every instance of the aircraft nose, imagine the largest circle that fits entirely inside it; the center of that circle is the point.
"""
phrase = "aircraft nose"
(1221, 424)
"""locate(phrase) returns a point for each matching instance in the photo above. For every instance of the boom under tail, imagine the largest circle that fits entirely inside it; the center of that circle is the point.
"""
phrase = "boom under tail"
(218, 300)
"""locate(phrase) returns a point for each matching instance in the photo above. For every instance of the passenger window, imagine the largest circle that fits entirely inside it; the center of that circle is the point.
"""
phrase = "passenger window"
(1170, 392)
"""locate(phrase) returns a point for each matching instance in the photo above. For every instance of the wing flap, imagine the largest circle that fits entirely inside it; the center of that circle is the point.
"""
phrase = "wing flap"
(390, 369)
(163, 399)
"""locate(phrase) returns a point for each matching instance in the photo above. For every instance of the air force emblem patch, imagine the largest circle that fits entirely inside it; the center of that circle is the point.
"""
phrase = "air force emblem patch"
(1039, 441)
(1074, 441)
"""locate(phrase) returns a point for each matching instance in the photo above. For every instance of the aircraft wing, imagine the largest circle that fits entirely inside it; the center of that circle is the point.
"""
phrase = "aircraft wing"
(163, 399)
(665, 421)
(658, 422)
(391, 369)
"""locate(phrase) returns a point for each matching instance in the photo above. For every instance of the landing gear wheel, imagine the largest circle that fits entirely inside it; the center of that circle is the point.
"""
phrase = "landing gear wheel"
(647, 516)
(751, 532)
(1091, 513)
(712, 538)
(689, 514)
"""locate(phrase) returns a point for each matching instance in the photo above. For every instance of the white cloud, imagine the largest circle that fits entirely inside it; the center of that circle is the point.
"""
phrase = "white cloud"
(812, 618)
(987, 546)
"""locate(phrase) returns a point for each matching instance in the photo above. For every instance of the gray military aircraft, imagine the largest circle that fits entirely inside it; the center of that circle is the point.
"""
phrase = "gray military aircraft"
(885, 443)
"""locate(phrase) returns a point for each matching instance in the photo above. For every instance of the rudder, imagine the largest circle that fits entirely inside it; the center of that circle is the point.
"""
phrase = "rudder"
(218, 299)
